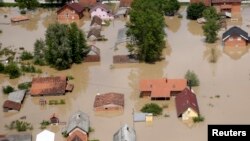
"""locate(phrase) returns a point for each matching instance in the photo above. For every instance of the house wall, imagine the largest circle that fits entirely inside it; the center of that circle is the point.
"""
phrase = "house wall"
(92, 58)
(68, 15)
(236, 7)
(235, 41)
(188, 114)
(109, 107)
(102, 14)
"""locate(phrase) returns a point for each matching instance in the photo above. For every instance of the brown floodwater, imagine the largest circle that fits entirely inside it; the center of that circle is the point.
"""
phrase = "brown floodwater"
(186, 50)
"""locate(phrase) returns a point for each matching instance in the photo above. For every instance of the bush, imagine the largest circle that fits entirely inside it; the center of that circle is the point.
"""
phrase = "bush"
(26, 55)
(6, 4)
(198, 119)
(70, 77)
(30, 69)
(20, 126)
(91, 129)
(192, 78)
(65, 135)
(44, 124)
(13, 70)
(8, 89)
(2, 67)
(152, 108)
(194, 10)
(22, 12)
(24, 86)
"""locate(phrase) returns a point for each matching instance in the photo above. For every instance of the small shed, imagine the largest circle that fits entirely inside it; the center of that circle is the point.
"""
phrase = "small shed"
(94, 34)
(125, 133)
(142, 117)
(45, 135)
(96, 22)
(54, 119)
(109, 102)
(11, 105)
(17, 96)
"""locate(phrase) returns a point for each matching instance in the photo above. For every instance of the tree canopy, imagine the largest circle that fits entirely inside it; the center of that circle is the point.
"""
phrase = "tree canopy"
(64, 45)
(210, 13)
(194, 10)
(192, 78)
(210, 30)
(29, 4)
(146, 28)
(170, 7)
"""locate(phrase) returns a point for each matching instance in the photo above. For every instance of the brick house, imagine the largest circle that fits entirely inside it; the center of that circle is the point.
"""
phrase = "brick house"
(232, 6)
(70, 12)
(87, 3)
(235, 37)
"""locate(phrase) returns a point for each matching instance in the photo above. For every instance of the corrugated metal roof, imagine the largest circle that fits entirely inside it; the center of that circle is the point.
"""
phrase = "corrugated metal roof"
(17, 96)
(139, 117)
(125, 133)
(78, 120)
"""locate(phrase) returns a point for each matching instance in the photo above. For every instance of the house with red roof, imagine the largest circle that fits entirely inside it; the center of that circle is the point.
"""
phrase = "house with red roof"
(186, 105)
(161, 89)
(70, 12)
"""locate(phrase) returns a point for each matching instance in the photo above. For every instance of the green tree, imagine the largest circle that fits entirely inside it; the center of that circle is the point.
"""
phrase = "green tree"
(170, 7)
(29, 4)
(13, 70)
(210, 30)
(26, 55)
(152, 108)
(2, 67)
(58, 52)
(194, 10)
(146, 28)
(192, 78)
(210, 13)
(77, 43)
(39, 52)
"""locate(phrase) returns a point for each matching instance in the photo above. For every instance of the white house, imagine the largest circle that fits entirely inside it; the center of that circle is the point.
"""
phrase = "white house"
(101, 11)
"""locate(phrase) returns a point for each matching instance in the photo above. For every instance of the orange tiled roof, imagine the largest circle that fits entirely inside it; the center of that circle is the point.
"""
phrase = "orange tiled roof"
(48, 85)
(162, 87)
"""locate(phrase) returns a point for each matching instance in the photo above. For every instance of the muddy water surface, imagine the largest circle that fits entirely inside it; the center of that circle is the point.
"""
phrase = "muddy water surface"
(185, 50)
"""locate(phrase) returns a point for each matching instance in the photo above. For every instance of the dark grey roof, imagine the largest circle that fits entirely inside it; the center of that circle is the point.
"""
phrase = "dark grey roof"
(17, 96)
(235, 31)
(94, 32)
(125, 133)
(78, 120)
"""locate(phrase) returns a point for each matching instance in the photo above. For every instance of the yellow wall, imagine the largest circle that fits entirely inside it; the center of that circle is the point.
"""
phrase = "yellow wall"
(189, 113)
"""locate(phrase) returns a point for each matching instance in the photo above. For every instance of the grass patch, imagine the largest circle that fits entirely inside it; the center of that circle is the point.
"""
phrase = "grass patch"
(44, 124)
(91, 129)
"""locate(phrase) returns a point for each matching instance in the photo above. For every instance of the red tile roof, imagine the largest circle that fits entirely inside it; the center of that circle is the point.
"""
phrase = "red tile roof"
(87, 3)
(184, 100)
(109, 98)
(48, 85)
(162, 87)
(77, 135)
(74, 6)
(12, 105)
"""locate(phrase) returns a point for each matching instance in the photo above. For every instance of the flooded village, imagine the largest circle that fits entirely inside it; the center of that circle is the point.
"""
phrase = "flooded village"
(223, 94)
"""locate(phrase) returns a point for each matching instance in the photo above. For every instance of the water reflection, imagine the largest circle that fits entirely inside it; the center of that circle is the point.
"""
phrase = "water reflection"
(173, 23)
(235, 52)
(195, 28)
(212, 52)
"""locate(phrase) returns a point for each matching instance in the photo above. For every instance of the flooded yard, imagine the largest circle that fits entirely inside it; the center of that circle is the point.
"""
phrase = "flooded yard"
(185, 50)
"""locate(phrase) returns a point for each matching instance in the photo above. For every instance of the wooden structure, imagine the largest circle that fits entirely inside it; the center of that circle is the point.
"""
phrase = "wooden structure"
(109, 102)
(161, 89)
(19, 18)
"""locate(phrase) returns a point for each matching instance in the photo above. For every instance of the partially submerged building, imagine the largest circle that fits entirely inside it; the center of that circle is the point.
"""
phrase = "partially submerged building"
(15, 100)
(78, 127)
(235, 37)
(44, 86)
(161, 89)
(70, 12)
(96, 22)
(45, 135)
(102, 11)
(93, 55)
(125, 133)
(17, 137)
(186, 105)
(109, 102)
(94, 34)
